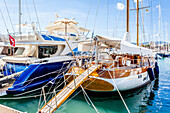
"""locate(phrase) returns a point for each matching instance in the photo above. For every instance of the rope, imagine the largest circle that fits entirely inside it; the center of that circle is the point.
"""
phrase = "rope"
(88, 15)
(4, 21)
(28, 10)
(96, 15)
(107, 17)
(24, 97)
(54, 79)
(80, 90)
(39, 101)
(86, 99)
(36, 15)
(38, 77)
(89, 99)
(57, 86)
(119, 93)
(36, 89)
(9, 16)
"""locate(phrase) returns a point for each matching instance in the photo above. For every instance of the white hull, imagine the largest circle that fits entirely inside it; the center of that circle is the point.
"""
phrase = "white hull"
(127, 83)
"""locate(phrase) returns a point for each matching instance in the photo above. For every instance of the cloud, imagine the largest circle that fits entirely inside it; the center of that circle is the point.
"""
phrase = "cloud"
(120, 6)
(157, 6)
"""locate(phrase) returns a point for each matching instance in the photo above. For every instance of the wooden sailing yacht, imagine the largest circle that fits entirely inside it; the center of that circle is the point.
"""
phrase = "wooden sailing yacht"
(126, 68)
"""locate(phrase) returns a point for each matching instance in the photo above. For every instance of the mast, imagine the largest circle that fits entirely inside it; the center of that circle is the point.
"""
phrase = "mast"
(143, 24)
(127, 18)
(166, 37)
(19, 16)
(137, 22)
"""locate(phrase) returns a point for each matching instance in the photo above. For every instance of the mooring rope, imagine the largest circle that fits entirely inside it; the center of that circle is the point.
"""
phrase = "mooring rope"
(119, 92)
(89, 99)
(80, 90)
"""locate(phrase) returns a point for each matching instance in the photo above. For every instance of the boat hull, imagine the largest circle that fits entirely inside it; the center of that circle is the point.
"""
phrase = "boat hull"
(123, 84)
(37, 75)
(104, 80)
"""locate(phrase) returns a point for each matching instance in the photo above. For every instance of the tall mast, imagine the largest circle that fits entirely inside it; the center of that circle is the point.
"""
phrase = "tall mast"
(127, 18)
(19, 16)
(137, 22)
(143, 24)
(166, 37)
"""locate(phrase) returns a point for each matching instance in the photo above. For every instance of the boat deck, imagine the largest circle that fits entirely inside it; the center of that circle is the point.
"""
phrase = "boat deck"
(57, 100)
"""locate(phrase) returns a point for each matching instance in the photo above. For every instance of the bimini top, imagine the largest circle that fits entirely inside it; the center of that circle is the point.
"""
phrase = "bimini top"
(120, 45)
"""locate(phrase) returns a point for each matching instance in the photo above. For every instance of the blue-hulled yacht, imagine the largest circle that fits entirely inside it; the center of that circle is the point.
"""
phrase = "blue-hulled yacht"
(41, 57)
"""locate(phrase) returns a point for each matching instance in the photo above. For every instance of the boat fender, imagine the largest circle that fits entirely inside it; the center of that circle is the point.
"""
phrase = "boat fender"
(156, 70)
(123, 61)
(150, 73)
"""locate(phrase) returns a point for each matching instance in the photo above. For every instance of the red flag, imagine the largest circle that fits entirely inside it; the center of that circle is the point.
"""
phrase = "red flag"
(12, 40)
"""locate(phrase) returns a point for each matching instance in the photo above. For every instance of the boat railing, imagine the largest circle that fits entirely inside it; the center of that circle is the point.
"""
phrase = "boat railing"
(125, 64)
(46, 74)
(23, 36)
(9, 69)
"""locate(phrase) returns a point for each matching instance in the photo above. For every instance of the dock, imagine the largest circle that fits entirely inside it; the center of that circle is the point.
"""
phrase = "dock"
(5, 109)
(60, 98)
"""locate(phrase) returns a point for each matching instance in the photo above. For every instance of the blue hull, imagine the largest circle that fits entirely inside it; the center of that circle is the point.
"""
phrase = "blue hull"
(163, 55)
(37, 75)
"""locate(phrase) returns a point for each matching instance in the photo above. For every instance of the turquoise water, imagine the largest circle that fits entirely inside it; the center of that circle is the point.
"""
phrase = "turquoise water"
(153, 98)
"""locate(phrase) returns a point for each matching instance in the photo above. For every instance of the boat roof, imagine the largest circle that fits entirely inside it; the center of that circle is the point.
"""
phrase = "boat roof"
(120, 45)
(60, 25)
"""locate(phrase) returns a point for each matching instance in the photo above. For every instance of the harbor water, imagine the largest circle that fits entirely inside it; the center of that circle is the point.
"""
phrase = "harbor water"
(153, 98)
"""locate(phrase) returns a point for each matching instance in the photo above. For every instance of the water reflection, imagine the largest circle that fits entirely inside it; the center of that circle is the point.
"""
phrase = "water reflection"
(137, 102)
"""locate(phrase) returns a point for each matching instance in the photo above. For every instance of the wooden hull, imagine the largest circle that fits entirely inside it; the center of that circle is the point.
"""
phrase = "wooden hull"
(123, 84)
(106, 81)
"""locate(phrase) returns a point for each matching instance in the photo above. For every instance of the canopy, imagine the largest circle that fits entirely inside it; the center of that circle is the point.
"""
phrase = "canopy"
(121, 45)
(66, 25)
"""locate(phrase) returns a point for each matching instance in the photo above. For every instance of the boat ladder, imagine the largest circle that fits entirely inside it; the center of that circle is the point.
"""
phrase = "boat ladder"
(59, 98)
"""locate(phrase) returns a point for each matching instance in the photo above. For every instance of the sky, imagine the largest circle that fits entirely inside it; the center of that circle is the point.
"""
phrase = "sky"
(104, 17)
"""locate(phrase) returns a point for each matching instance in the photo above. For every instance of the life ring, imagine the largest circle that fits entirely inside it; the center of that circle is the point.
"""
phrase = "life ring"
(123, 61)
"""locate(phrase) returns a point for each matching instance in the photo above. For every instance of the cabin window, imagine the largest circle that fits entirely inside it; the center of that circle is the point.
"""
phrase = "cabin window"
(46, 51)
(19, 51)
(15, 49)
(9, 51)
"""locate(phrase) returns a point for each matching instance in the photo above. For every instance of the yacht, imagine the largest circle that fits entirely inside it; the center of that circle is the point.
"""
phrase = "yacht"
(41, 57)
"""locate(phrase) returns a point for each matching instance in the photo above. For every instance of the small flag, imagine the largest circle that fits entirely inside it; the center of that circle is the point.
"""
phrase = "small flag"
(56, 15)
(12, 40)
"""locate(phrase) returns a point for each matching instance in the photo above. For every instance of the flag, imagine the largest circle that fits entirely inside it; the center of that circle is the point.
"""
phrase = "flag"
(12, 40)
(57, 15)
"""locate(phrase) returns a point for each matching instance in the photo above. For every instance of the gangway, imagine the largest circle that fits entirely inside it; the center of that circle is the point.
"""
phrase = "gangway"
(59, 98)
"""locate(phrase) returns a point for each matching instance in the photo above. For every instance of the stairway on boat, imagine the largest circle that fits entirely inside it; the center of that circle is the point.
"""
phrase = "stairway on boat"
(59, 98)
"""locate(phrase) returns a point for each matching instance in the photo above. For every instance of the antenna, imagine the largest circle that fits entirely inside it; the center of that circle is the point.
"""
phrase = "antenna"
(19, 16)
